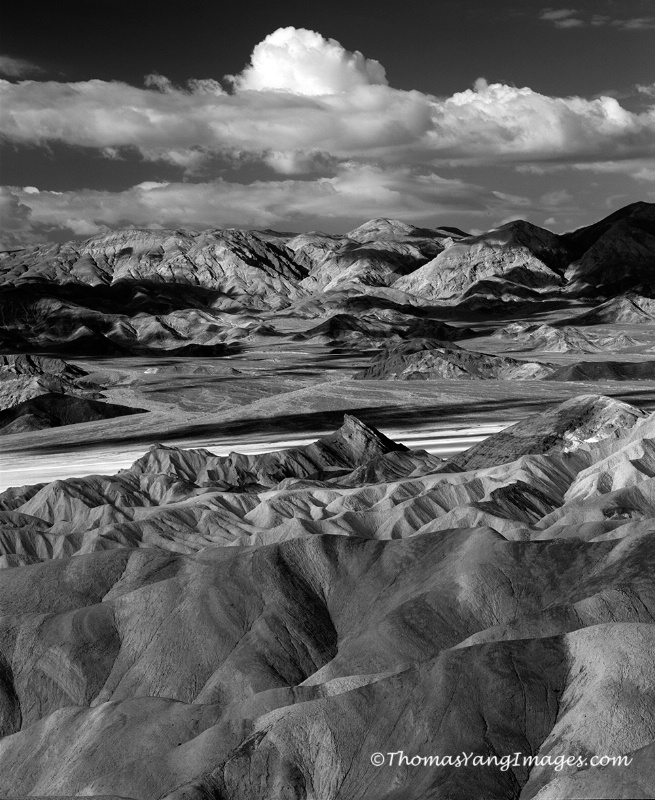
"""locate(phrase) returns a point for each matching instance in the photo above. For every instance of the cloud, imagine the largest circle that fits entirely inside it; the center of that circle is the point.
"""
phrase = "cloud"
(356, 192)
(340, 142)
(636, 24)
(17, 67)
(305, 104)
(518, 124)
(570, 18)
(639, 169)
(561, 17)
(555, 199)
(18, 229)
(300, 162)
(303, 62)
(292, 133)
(554, 15)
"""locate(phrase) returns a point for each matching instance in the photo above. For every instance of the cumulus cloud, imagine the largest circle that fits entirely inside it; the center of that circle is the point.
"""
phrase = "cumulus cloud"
(17, 67)
(285, 130)
(305, 103)
(178, 125)
(306, 107)
(522, 125)
(303, 62)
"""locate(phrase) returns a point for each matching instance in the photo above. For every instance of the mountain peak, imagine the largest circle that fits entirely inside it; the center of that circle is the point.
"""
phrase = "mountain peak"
(382, 228)
(359, 442)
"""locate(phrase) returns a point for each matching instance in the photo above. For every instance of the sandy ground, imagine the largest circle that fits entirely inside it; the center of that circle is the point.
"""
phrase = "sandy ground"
(268, 399)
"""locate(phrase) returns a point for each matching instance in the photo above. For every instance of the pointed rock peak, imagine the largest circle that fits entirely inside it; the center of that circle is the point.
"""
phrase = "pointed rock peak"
(354, 425)
(359, 441)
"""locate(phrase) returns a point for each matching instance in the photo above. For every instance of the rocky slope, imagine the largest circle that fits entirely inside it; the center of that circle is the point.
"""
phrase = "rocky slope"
(584, 420)
(54, 410)
(518, 253)
(137, 291)
(216, 639)
(614, 254)
(563, 339)
(23, 377)
(243, 263)
(605, 371)
(38, 392)
(375, 254)
(427, 359)
(628, 308)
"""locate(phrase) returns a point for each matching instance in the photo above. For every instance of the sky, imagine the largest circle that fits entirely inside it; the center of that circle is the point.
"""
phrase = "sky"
(304, 116)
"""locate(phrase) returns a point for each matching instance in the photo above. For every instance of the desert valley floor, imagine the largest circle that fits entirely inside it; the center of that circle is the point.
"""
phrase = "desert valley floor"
(276, 505)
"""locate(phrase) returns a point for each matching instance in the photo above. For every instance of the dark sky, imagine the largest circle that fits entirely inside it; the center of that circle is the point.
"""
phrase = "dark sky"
(435, 49)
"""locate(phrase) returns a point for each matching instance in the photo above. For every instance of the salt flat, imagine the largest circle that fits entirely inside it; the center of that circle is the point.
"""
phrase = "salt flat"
(21, 469)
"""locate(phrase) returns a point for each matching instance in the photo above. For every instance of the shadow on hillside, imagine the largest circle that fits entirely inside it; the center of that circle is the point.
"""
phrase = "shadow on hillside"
(126, 297)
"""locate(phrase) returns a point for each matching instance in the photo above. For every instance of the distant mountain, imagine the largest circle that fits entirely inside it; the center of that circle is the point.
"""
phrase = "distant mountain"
(382, 229)
(425, 359)
(605, 371)
(627, 308)
(23, 378)
(517, 253)
(242, 264)
(185, 292)
(374, 254)
(615, 254)
(54, 410)
(565, 339)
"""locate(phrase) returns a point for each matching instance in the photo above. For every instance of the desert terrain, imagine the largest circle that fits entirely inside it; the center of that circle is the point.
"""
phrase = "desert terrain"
(274, 504)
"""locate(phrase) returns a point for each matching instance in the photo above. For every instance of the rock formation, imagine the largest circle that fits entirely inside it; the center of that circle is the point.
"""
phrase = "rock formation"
(426, 359)
(614, 254)
(519, 253)
(212, 640)
(563, 339)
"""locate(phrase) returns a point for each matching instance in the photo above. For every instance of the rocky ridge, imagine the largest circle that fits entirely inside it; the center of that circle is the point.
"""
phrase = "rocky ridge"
(209, 640)
(427, 359)
(138, 291)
